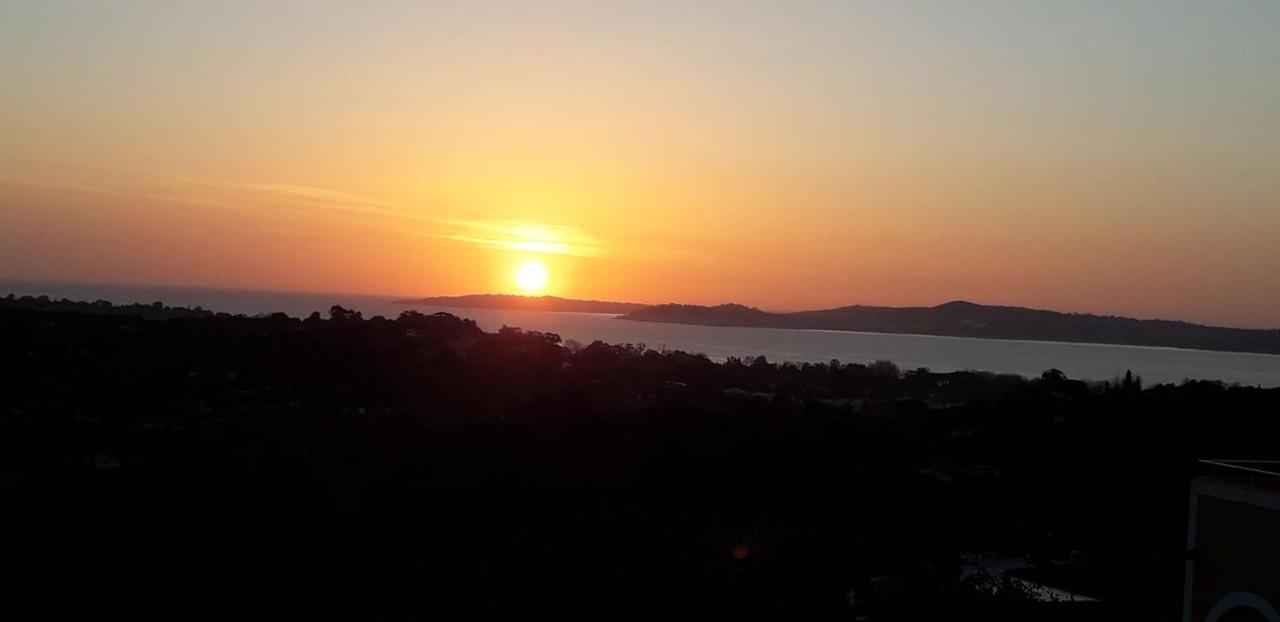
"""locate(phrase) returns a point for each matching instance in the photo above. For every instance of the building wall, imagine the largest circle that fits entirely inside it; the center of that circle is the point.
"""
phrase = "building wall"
(1234, 573)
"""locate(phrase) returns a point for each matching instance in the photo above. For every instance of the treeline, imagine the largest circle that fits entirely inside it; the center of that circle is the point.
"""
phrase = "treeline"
(375, 468)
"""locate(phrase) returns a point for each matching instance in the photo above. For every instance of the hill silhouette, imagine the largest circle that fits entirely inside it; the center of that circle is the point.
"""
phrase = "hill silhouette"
(524, 303)
(967, 319)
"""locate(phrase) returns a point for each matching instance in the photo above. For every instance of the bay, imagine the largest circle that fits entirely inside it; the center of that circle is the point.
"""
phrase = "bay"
(1028, 358)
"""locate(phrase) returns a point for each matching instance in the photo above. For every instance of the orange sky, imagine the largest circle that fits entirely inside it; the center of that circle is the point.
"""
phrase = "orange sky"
(1097, 157)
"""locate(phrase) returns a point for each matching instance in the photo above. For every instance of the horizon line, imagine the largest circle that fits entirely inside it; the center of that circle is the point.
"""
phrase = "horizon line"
(397, 298)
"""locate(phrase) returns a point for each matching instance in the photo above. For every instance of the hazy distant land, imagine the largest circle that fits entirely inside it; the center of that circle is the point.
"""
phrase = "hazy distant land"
(953, 319)
(966, 319)
(525, 303)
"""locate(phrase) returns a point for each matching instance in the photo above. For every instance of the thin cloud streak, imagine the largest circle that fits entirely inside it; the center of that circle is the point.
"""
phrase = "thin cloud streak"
(507, 235)
(510, 235)
(524, 236)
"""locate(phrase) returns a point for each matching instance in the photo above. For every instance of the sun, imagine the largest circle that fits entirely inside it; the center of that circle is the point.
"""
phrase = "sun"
(531, 276)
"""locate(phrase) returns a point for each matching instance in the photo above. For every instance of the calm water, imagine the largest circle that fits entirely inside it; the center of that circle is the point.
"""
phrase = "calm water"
(1087, 361)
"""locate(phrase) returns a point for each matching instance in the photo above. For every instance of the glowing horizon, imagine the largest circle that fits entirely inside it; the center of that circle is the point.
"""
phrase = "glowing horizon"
(1097, 157)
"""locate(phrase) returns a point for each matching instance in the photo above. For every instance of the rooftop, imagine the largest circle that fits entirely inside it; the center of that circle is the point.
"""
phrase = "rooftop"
(1263, 474)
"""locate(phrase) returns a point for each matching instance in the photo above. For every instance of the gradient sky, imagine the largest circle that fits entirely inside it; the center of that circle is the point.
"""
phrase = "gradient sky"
(1110, 157)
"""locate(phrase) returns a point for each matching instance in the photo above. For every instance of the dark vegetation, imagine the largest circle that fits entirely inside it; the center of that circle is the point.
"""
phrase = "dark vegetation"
(182, 463)
(966, 319)
(524, 303)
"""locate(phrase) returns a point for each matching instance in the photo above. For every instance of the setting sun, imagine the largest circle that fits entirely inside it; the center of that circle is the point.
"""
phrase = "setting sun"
(531, 276)
(295, 259)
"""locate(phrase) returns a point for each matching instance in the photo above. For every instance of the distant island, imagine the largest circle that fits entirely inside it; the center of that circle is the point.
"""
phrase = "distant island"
(953, 319)
(524, 303)
(966, 319)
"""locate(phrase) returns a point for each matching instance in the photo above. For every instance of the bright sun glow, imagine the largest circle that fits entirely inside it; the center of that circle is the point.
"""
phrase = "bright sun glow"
(531, 276)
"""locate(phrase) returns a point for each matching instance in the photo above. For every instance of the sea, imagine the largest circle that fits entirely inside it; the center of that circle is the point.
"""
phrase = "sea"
(1086, 361)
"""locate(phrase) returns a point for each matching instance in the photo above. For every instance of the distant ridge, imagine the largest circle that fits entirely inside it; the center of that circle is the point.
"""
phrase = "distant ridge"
(524, 303)
(966, 319)
(958, 318)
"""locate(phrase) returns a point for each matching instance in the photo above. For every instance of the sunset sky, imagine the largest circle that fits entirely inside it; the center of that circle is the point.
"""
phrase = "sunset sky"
(1108, 157)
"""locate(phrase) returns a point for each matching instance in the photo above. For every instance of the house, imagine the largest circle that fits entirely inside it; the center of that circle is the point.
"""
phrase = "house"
(1233, 543)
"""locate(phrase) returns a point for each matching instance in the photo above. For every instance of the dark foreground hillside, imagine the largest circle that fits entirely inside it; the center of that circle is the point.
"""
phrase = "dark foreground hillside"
(177, 464)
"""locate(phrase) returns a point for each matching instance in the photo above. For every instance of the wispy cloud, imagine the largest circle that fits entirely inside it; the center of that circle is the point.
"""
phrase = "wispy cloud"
(508, 235)
(308, 196)
(311, 193)
(523, 236)
(511, 235)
